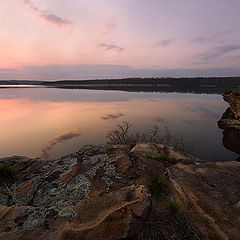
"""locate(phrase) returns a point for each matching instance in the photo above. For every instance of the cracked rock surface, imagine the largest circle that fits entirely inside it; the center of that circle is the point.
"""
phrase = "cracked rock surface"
(94, 195)
(86, 195)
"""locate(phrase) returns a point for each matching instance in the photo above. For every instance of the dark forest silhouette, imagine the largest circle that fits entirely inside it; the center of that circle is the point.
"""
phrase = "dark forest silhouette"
(214, 85)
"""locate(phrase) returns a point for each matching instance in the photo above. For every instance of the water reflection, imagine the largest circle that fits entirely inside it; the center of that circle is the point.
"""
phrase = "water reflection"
(59, 139)
(54, 122)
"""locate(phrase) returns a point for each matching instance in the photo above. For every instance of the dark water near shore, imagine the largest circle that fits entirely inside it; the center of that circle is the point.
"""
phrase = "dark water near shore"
(53, 121)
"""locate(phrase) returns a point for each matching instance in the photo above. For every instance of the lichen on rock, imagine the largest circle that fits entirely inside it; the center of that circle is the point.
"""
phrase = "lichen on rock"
(95, 195)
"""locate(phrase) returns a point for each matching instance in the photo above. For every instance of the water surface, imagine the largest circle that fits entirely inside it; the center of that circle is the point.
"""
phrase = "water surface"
(48, 121)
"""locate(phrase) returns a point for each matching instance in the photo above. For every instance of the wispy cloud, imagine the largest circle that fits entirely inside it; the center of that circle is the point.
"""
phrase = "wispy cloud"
(200, 40)
(60, 139)
(164, 43)
(112, 116)
(217, 52)
(111, 46)
(48, 17)
(214, 37)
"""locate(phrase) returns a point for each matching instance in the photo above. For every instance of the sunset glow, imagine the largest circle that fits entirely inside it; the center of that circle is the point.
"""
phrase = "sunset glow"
(55, 122)
(118, 37)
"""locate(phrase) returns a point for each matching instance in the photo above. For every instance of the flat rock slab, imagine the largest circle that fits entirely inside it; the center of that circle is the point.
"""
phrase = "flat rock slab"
(210, 196)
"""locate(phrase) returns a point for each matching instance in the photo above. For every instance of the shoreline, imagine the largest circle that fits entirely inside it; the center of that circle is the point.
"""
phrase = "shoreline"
(86, 189)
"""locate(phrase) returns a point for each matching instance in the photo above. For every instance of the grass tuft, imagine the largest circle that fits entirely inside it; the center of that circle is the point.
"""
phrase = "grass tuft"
(158, 188)
(173, 206)
(8, 174)
(166, 158)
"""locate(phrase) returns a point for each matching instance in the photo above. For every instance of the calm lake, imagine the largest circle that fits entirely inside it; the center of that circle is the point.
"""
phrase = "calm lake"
(55, 122)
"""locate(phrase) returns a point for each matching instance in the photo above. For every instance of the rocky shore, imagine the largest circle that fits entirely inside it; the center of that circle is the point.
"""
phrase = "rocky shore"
(144, 191)
(104, 194)
(230, 122)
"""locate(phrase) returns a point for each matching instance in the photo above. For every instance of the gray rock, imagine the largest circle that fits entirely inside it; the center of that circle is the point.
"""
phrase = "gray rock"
(99, 157)
(24, 200)
(33, 220)
(67, 212)
(4, 199)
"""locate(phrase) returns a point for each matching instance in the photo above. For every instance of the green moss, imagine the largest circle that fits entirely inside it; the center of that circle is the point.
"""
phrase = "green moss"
(132, 145)
(108, 148)
(152, 156)
(165, 158)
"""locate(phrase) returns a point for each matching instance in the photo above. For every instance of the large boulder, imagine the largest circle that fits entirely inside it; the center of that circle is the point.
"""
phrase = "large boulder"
(230, 122)
(233, 99)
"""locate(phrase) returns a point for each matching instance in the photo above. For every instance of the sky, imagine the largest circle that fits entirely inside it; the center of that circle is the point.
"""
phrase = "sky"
(89, 39)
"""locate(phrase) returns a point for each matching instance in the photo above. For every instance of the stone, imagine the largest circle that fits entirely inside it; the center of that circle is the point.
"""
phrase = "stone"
(95, 195)
(230, 122)
(67, 212)
(88, 188)
(4, 199)
(238, 205)
(209, 194)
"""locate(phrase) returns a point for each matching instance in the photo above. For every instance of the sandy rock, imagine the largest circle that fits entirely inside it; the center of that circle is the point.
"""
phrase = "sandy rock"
(230, 122)
(209, 192)
(233, 99)
(145, 148)
(96, 195)
(238, 205)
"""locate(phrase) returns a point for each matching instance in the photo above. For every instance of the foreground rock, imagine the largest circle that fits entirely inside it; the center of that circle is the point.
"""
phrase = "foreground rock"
(92, 194)
(87, 195)
(209, 194)
(230, 122)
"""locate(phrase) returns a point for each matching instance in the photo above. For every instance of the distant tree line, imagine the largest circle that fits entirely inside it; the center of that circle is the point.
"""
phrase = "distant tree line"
(209, 85)
(183, 85)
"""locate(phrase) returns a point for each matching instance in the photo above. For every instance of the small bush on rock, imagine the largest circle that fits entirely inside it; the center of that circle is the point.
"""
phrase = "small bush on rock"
(124, 135)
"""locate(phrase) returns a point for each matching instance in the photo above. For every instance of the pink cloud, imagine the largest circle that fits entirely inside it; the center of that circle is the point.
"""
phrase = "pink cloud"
(111, 46)
(48, 17)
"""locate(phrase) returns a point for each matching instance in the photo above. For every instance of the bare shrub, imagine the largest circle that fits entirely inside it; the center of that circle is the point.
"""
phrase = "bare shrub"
(123, 134)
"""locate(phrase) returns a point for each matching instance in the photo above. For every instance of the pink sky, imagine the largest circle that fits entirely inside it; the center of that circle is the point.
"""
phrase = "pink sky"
(39, 37)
